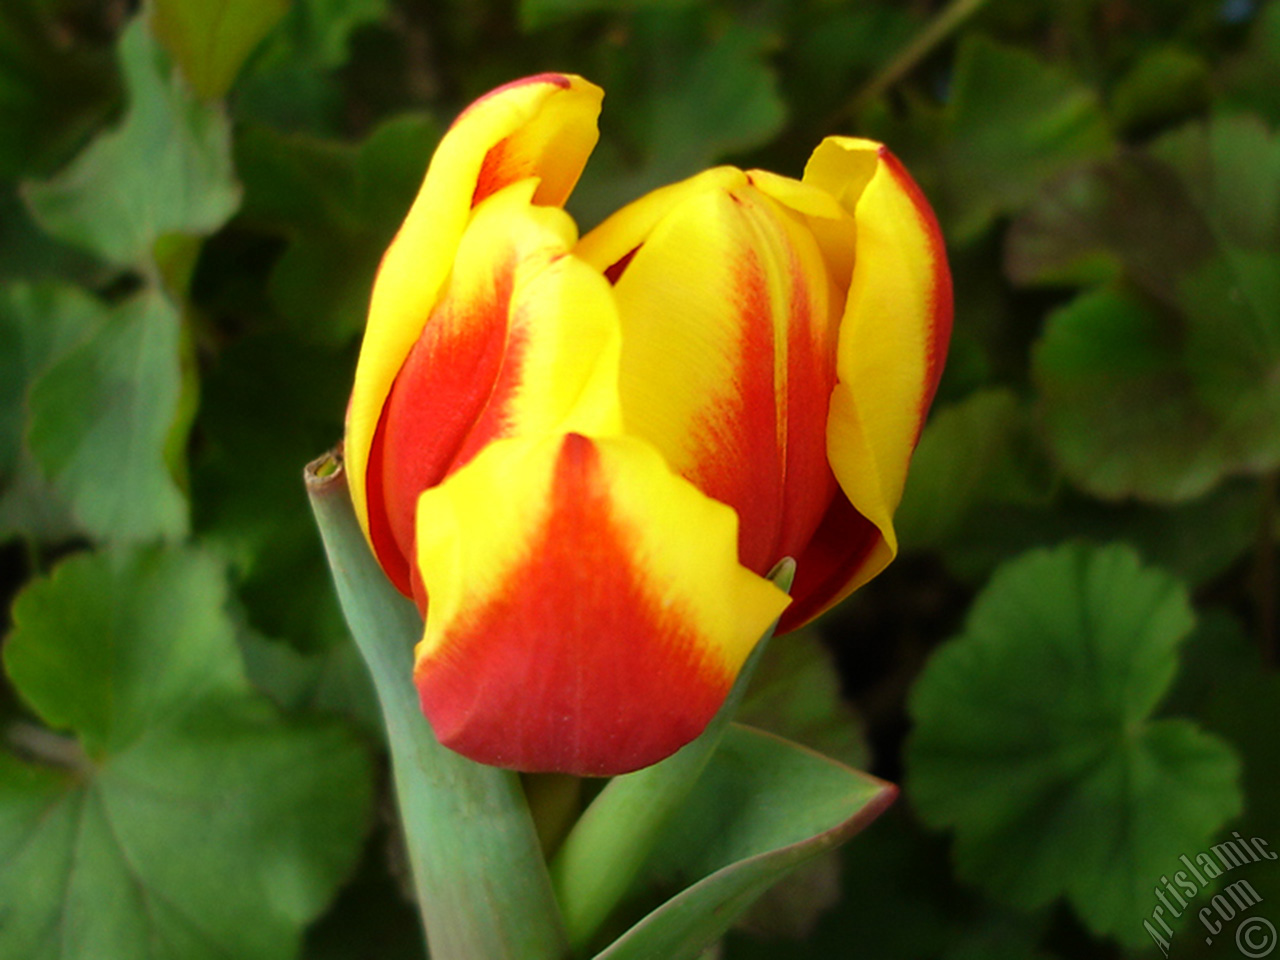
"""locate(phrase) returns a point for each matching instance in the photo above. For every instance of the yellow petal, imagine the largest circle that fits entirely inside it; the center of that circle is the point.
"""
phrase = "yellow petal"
(524, 338)
(842, 167)
(587, 612)
(542, 127)
(611, 242)
(825, 215)
(893, 342)
(728, 360)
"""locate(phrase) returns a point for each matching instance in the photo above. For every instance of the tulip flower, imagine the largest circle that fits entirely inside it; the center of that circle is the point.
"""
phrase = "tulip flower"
(581, 456)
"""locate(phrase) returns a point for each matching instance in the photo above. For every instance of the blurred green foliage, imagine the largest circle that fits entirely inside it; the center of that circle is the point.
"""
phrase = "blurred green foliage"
(194, 197)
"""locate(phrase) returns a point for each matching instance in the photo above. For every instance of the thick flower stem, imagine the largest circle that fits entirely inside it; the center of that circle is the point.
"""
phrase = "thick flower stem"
(607, 848)
(482, 884)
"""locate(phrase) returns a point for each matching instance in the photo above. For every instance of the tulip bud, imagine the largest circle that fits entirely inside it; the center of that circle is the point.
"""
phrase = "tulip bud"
(581, 456)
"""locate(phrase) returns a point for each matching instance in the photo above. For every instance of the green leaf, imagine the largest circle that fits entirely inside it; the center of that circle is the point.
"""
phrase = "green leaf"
(1168, 83)
(290, 83)
(334, 680)
(978, 451)
(28, 254)
(1230, 171)
(1013, 123)
(1120, 407)
(185, 820)
(339, 206)
(795, 694)
(597, 865)
(762, 807)
(39, 325)
(53, 90)
(481, 881)
(1034, 734)
(1194, 225)
(269, 402)
(210, 39)
(165, 169)
(101, 418)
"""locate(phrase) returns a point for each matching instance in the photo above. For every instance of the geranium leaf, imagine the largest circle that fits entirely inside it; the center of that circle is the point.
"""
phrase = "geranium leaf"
(1013, 123)
(165, 169)
(1034, 733)
(1120, 411)
(101, 418)
(1187, 389)
(184, 819)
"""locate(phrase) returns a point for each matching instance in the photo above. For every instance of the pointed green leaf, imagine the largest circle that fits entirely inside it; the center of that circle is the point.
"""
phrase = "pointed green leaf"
(165, 169)
(101, 418)
(210, 39)
(762, 807)
(185, 819)
(795, 694)
(1168, 83)
(598, 864)
(1034, 733)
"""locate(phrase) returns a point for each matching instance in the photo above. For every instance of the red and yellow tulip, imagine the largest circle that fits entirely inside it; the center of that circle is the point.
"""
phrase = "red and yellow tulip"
(581, 455)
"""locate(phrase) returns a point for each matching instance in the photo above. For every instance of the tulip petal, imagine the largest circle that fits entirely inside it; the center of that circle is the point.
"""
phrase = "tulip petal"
(728, 358)
(618, 237)
(828, 216)
(523, 340)
(893, 344)
(541, 127)
(588, 614)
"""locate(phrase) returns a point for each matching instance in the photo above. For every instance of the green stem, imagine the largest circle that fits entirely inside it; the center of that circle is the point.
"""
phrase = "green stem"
(922, 44)
(481, 881)
(48, 747)
(603, 854)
